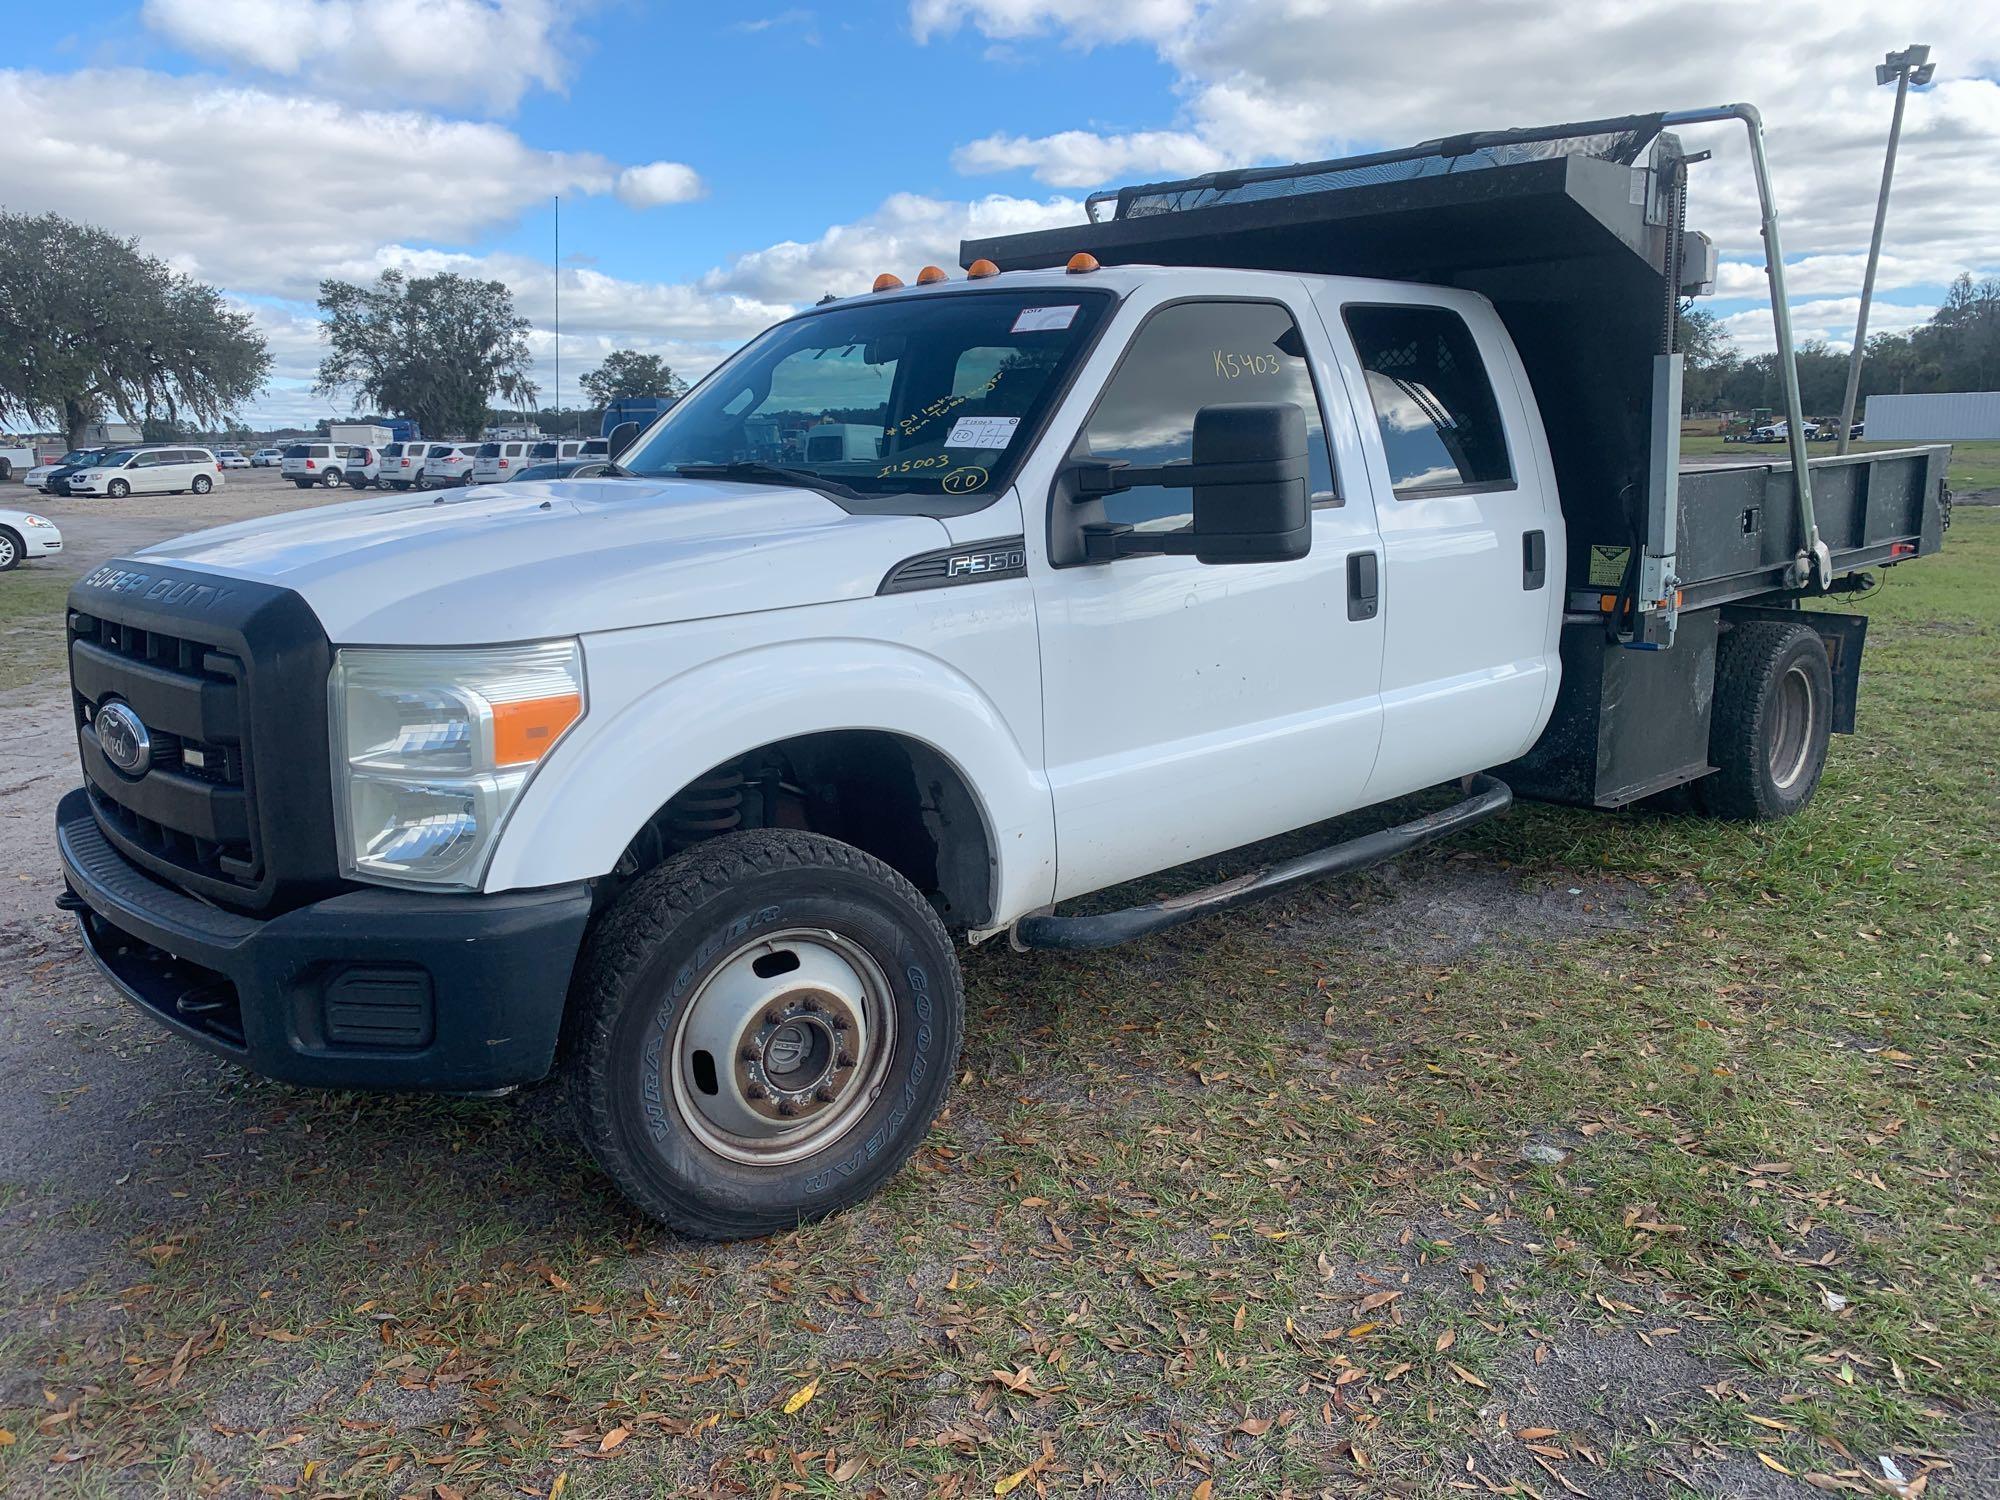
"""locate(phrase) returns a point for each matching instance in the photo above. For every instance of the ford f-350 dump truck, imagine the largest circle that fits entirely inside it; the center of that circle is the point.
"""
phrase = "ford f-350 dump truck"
(1272, 497)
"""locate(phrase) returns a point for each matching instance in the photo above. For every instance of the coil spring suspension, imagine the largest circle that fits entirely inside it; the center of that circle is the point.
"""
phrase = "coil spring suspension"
(706, 807)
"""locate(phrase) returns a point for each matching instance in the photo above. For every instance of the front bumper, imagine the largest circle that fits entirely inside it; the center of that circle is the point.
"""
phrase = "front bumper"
(374, 989)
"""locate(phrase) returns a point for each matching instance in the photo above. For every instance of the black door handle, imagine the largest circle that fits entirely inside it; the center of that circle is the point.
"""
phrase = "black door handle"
(1364, 588)
(1534, 560)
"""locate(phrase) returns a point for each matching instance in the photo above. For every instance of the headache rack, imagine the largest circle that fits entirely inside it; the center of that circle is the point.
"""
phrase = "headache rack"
(1577, 233)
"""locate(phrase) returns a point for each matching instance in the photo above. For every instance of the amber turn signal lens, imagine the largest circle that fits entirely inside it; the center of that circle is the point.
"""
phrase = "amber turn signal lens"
(524, 729)
(930, 275)
(1082, 261)
(979, 270)
(888, 281)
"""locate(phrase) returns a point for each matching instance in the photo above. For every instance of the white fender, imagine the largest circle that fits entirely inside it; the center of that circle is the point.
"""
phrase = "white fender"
(667, 705)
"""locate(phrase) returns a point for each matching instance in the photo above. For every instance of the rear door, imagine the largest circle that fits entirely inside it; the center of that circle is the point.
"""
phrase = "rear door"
(1471, 529)
(1192, 707)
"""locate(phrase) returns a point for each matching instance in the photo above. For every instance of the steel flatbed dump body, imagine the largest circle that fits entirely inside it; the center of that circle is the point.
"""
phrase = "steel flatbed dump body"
(1577, 234)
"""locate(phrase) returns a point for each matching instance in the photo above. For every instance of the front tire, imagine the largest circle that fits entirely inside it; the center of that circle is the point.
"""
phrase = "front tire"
(1772, 718)
(760, 1032)
(12, 550)
(118, 489)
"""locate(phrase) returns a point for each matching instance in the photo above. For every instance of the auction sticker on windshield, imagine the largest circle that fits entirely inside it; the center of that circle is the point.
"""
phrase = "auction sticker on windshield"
(982, 432)
(1040, 319)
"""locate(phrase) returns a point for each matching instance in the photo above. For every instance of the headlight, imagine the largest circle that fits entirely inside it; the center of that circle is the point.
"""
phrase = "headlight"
(431, 750)
(28, 520)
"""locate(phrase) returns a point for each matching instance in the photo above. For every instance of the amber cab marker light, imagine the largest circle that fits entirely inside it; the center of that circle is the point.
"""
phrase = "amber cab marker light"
(979, 270)
(888, 281)
(930, 276)
(1082, 261)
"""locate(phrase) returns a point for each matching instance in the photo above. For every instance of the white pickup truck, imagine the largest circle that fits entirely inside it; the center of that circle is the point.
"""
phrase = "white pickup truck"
(680, 781)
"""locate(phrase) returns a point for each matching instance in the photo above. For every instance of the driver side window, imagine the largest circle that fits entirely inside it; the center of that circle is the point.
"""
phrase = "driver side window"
(1187, 356)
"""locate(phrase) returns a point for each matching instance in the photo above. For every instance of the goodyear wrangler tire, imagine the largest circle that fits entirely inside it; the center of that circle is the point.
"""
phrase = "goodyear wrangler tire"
(760, 1033)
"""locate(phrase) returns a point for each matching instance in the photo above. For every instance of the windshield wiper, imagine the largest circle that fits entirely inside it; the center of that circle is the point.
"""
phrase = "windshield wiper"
(752, 472)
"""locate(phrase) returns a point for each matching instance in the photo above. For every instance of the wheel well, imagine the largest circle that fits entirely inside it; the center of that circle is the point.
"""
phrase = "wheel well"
(894, 797)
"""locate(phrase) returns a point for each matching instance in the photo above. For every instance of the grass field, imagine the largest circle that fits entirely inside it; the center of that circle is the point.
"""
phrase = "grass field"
(1974, 466)
(1594, 1155)
(31, 614)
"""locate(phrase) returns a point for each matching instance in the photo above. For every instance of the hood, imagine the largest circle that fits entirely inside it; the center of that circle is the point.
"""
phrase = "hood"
(524, 561)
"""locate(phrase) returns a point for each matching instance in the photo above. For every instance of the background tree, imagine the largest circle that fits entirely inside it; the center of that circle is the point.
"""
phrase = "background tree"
(433, 348)
(1710, 358)
(88, 325)
(627, 372)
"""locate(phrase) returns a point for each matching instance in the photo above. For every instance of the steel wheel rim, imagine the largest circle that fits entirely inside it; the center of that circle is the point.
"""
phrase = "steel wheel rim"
(6, 550)
(1791, 746)
(768, 1067)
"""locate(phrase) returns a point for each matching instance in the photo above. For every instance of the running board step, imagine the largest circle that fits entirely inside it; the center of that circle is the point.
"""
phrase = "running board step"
(1486, 797)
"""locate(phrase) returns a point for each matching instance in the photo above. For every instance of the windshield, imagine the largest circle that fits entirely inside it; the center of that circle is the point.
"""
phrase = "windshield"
(933, 395)
(81, 456)
(117, 460)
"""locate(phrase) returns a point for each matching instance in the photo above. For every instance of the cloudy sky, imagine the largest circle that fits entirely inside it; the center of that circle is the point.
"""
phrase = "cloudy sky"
(721, 164)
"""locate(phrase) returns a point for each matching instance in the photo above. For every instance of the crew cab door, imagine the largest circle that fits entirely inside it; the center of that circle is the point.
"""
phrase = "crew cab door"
(1191, 707)
(1471, 529)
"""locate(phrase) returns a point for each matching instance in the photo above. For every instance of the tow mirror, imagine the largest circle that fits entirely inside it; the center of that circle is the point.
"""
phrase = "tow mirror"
(622, 437)
(1248, 475)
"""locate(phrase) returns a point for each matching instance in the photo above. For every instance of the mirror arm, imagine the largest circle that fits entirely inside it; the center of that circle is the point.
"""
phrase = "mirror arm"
(1107, 541)
(1102, 477)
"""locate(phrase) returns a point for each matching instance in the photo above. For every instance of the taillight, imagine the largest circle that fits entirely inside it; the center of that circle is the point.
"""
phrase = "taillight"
(503, 463)
(309, 463)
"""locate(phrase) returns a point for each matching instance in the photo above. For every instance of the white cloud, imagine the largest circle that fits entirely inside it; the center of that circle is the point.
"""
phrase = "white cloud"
(1828, 319)
(1085, 22)
(657, 183)
(483, 52)
(261, 192)
(1284, 80)
(1079, 158)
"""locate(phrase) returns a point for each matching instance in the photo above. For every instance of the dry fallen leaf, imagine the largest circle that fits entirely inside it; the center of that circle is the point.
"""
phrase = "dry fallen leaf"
(1205, 1489)
(613, 1438)
(1011, 1482)
(802, 1395)
(1446, 1340)
(1771, 1463)
(1535, 1434)
(1466, 1375)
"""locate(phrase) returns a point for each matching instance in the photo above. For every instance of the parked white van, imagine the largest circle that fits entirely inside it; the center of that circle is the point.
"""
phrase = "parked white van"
(498, 461)
(148, 471)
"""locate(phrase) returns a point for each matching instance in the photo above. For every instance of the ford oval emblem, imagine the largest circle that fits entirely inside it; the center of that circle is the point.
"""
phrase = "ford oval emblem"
(122, 736)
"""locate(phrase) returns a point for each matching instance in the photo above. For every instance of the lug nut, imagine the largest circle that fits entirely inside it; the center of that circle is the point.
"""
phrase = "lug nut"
(774, 1017)
(840, 1023)
(786, 1107)
(824, 1094)
(846, 1058)
(809, 1004)
(748, 1054)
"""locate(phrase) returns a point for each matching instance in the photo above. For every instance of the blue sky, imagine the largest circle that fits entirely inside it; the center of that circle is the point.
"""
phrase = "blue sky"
(720, 164)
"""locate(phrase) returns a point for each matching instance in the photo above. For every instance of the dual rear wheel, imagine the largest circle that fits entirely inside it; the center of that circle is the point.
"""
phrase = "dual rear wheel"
(1772, 717)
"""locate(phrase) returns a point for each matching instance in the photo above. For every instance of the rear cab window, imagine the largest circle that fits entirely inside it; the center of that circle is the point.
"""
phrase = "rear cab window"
(1441, 427)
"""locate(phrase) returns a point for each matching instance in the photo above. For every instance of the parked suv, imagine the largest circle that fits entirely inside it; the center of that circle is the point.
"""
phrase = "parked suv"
(561, 450)
(308, 464)
(403, 464)
(364, 466)
(267, 458)
(498, 461)
(450, 463)
(147, 471)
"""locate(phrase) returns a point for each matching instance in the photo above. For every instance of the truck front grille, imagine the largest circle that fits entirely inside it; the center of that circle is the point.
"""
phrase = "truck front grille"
(190, 812)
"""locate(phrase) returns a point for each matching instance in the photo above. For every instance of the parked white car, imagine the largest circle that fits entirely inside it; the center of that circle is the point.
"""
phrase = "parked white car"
(308, 464)
(13, 459)
(364, 465)
(450, 463)
(562, 450)
(1774, 432)
(148, 471)
(267, 458)
(498, 461)
(24, 534)
(230, 458)
(403, 464)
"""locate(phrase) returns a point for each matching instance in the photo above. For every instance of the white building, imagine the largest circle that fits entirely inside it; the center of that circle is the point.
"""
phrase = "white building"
(1943, 417)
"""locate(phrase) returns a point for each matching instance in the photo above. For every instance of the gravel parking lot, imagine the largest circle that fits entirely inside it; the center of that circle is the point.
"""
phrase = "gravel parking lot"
(1596, 1156)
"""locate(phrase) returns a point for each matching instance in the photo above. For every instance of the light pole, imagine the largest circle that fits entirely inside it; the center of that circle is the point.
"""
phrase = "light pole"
(1911, 65)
